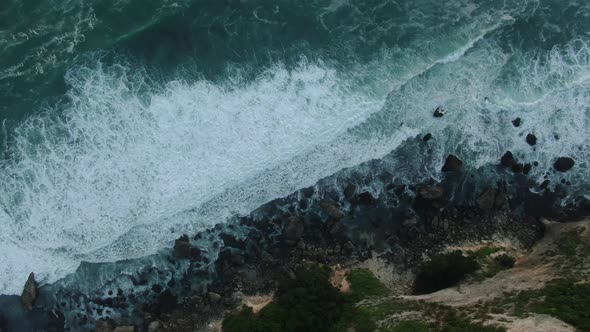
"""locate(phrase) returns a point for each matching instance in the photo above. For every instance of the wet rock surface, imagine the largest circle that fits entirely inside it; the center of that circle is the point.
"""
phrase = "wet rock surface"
(29, 294)
(564, 164)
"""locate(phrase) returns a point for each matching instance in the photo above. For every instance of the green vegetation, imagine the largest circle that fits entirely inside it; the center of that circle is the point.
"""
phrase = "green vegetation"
(308, 303)
(570, 241)
(444, 270)
(561, 298)
(364, 284)
(485, 252)
(411, 326)
(497, 264)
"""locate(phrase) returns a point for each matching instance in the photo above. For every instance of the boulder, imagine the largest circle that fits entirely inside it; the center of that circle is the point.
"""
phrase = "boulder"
(331, 209)
(427, 137)
(517, 168)
(527, 169)
(431, 192)
(516, 122)
(155, 326)
(564, 164)
(487, 199)
(213, 297)
(182, 247)
(364, 198)
(507, 159)
(293, 229)
(452, 164)
(439, 112)
(531, 139)
(127, 328)
(104, 326)
(349, 191)
(29, 294)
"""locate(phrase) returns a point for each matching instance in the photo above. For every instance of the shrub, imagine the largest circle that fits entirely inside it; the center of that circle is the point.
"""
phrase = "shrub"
(505, 261)
(411, 326)
(308, 303)
(364, 284)
(444, 270)
(567, 301)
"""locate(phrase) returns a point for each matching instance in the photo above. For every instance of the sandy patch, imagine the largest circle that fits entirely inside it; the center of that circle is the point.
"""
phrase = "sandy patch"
(257, 302)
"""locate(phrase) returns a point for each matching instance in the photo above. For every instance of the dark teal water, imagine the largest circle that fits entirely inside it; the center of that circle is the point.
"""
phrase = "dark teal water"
(127, 123)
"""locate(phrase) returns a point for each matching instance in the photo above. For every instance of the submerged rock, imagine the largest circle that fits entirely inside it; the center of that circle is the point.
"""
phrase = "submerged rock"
(439, 112)
(427, 137)
(29, 294)
(507, 159)
(517, 168)
(527, 169)
(531, 139)
(516, 122)
(564, 164)
(452, 164)
(431, 192)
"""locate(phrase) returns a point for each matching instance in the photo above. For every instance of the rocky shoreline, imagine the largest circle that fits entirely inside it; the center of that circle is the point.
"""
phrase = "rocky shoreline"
(402, 225)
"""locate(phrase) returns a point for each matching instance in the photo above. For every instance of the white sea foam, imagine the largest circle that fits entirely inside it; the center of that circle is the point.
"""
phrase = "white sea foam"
(119, 163)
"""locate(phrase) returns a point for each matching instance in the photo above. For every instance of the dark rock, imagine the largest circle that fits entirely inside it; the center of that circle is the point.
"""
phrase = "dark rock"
(331, 209)
(213, 297)
(431, 192)
(156, 288)
(545, 184)
(487, 199)
(531, 139)
(439, 112)
(427, 137)
(308, 192)
(365, 198)
(564, 164)
(527, 169)
(508, 159)
(516, 122)
(165, 302)
(349, 191)
(348, 247)
(231, 241)
(104, 326)
(182, 247)
(294, 229)
(452, 164)
(125, 329)
(500, 198)
(517, 168)
(29, 294)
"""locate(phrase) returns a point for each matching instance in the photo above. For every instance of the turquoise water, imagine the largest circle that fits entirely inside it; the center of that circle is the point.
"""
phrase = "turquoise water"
(127, 123)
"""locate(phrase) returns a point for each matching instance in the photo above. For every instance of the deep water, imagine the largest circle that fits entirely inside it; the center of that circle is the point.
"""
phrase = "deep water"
(128, 123)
